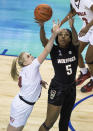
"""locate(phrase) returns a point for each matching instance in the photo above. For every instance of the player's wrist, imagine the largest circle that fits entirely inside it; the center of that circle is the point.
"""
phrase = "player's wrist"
(42, 26)
(54, 34)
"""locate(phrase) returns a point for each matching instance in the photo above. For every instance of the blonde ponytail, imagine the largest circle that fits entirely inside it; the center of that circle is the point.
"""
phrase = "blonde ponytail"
(18, 61)
(14, 72)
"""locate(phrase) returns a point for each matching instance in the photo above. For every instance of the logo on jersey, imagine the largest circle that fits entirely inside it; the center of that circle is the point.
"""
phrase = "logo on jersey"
(77, 3)
(59, 51)
(70, 52)
(52, 94)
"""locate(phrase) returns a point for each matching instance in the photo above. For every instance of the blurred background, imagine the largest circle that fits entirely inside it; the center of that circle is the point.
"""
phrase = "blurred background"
(18, 30)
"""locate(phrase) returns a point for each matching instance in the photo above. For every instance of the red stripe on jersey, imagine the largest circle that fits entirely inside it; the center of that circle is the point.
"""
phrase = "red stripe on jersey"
(20, 82)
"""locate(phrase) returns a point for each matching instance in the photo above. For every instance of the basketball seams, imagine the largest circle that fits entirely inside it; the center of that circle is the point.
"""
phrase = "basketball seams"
(43, 12)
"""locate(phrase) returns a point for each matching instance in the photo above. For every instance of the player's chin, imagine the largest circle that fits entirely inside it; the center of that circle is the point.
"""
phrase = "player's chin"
(62, 43)
(62, 46)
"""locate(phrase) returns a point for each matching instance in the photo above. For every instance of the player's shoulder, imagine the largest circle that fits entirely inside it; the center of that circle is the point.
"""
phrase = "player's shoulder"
(54, 50)
(55, 47)
(74, 46)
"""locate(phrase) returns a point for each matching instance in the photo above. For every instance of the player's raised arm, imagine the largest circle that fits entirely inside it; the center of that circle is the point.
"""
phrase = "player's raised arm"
(43, 38)
(88, 25)
(74, 33)
(43, 13)
(49, 45)
(69, 15)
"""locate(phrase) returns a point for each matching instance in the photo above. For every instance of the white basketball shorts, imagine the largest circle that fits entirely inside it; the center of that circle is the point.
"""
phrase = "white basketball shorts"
(20, 112)
(87, 38)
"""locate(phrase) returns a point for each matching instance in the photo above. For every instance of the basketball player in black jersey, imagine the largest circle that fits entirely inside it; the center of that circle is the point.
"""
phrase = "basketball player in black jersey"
(84, 9)
(62, 90)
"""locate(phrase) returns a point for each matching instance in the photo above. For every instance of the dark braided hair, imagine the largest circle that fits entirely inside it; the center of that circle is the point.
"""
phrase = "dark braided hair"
(70, 33)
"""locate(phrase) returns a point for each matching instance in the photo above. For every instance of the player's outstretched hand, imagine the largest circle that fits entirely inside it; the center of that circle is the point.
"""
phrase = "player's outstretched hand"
(39, 22)
(71, 22)
(56, 27)
(83, 31)
(43, 83)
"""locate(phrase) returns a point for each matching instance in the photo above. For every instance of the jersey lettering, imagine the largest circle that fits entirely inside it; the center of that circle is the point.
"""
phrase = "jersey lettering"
(20, 82)
(85, 20)
(66, 60)
(81, 13)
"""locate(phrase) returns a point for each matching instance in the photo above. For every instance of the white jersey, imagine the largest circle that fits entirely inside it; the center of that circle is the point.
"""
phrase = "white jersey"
(82, 8)
(30, 81)
(30, 91)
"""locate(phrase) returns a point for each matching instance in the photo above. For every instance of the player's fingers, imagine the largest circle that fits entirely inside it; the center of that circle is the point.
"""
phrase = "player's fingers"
(54, 23)
(81, 34)
(68, 17)
(35, 18)
(58, 22)
(52, 30)
(44, 86)
(36, 21)
(46, 83)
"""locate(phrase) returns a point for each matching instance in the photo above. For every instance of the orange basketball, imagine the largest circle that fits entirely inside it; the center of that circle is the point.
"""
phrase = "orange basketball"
(43, 12)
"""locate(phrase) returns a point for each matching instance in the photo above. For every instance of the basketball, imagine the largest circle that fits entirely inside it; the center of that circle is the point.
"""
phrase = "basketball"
(43, 12)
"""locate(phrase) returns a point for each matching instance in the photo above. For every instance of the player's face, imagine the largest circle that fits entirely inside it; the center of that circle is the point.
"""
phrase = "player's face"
(28, 58)
(64, 38)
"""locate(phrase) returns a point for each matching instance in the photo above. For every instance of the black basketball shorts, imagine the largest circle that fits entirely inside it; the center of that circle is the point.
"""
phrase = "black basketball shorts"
(58, 92)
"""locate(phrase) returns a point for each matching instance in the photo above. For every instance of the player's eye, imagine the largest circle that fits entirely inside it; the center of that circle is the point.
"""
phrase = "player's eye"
(28, 56)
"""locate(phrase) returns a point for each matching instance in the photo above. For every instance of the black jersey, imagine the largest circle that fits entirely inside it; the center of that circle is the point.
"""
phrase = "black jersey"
(65, 61)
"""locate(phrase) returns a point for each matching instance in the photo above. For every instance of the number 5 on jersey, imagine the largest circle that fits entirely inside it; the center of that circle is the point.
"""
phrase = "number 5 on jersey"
(68, 69)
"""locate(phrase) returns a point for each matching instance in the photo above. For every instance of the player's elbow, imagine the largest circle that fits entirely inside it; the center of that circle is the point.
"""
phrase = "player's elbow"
(44, 42)
(91, 8)
(89, 60)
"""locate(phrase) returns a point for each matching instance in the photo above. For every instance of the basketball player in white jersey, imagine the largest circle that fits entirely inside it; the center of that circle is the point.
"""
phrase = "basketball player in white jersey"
(29, 83)
(84, 9)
